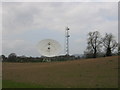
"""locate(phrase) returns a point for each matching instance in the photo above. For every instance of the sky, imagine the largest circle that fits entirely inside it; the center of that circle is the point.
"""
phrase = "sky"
(24, 24)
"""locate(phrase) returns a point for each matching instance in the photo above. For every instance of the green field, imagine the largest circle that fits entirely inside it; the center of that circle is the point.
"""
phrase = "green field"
(84, 73)
(11, 84)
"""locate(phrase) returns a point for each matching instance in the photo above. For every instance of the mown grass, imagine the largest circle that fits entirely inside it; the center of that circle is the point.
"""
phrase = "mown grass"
(13, 84)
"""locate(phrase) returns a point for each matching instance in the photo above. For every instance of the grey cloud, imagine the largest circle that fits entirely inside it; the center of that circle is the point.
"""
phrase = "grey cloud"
(80, 17)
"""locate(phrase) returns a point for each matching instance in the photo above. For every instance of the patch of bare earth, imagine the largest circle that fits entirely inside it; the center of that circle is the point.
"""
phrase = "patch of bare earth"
(91, 73)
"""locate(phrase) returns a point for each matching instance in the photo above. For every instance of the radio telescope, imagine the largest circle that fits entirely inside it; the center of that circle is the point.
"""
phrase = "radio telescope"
(49, 47)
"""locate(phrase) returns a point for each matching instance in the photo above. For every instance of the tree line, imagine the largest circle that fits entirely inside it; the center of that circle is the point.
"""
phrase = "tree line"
(14, 58)
(97, 46)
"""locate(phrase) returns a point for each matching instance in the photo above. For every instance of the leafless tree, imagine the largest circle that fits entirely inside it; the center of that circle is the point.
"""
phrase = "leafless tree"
(109, 44)
(12, 57)
(118, 48)
(94, 43)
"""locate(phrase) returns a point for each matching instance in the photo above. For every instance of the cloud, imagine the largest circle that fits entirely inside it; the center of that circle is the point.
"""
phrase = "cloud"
(25, 18)
(60, 0)
(20, 47)
(0, 28)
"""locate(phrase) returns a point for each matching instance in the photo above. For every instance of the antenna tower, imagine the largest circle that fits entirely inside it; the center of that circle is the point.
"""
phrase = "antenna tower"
(67, 40)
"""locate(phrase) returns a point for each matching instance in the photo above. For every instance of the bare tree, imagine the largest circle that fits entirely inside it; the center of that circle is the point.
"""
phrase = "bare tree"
(118, 48)
(12, 57)
(3, 58)
(109, 44)
(94, 43)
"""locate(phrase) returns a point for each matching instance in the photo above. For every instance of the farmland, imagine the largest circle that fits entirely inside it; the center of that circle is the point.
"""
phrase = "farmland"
(83, 73)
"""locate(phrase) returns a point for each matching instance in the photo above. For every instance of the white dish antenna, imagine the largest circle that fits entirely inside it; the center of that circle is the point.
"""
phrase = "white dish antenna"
(49, 47)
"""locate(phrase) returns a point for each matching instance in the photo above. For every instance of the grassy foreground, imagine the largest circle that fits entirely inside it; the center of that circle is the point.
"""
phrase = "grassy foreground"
(84, 73)
(13, 84)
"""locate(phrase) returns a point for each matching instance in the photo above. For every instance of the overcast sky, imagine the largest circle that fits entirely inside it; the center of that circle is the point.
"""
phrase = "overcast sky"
(27, 23)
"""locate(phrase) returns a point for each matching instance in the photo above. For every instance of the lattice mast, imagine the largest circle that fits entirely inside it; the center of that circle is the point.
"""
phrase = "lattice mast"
(67, 40)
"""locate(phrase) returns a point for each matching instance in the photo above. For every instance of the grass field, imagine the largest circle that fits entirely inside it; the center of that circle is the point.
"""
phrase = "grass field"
(11, 84)
(84, 73)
